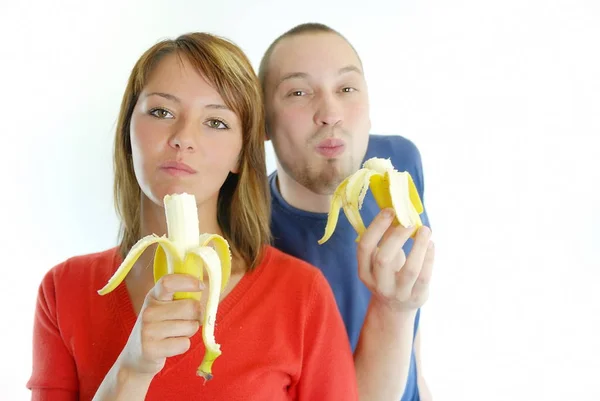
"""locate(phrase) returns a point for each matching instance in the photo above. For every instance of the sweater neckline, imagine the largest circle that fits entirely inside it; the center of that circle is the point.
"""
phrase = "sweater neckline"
(123, 307)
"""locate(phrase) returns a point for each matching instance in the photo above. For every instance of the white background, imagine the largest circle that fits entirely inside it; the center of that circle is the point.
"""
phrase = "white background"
(502, 98)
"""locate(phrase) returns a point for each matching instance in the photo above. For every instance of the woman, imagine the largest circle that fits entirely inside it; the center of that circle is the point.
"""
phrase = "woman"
(191, 121)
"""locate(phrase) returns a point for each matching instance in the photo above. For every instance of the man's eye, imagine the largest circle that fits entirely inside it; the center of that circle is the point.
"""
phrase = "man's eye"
(161, 113)
(297, 93)
(217, 124)
(348, 89)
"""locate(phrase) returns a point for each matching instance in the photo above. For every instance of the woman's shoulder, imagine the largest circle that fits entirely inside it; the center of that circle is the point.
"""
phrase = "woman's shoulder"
(288, 264)
(287, 283)
(291, 272)
(73, 283)
(82, 268)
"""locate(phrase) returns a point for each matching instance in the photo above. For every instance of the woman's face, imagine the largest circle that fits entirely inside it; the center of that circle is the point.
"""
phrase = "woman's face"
(183, 136)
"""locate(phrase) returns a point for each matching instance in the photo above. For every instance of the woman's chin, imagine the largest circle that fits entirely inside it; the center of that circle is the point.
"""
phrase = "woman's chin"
(165, 190)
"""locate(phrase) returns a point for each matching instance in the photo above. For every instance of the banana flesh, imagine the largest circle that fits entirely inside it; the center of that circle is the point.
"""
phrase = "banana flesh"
(185, 251)
(391, 189)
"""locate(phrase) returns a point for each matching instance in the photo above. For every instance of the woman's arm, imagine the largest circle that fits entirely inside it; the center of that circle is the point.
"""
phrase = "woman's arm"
(54, 375)
(122, 384)
(163, 329)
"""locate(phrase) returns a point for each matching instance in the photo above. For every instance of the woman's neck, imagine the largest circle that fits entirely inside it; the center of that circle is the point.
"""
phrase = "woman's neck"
(153, 219)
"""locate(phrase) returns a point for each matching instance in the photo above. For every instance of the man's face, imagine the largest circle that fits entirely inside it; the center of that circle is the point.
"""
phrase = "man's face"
(317, 109)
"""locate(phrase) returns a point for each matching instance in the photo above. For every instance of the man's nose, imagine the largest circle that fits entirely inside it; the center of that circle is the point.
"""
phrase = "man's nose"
(329, 111)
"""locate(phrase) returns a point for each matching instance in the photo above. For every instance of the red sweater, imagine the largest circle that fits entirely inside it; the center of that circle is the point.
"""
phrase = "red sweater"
(280, 332)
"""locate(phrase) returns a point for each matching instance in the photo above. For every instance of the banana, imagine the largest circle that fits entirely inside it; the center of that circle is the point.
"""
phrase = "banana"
(390, 188)
(184, 250)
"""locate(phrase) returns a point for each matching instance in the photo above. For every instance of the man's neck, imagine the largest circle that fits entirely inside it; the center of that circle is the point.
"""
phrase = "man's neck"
(299, 196)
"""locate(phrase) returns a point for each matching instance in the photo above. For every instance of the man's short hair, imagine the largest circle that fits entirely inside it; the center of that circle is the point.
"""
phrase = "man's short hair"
(308, 27)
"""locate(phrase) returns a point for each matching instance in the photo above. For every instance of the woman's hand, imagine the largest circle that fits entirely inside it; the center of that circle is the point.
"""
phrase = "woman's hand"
(164, 326)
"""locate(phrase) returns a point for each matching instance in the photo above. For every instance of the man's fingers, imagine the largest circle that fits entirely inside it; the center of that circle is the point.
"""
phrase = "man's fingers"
(422, 283)
(412, 268)
(390, 255)
(369, 241)
(386, 262)
(169, 284)
(391, 246)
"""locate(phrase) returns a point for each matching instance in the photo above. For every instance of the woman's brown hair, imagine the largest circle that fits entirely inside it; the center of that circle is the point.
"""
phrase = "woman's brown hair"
(243, 211)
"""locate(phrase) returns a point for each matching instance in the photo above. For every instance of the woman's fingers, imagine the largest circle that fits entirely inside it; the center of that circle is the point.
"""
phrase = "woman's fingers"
(169, 284)
(171, 328)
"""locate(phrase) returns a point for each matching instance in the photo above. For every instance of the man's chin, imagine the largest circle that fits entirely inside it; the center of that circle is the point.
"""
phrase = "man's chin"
(321, 189)
(323, 181)
(325, 184)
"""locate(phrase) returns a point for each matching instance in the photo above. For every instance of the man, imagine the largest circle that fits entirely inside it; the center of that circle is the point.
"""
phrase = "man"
(318, 121)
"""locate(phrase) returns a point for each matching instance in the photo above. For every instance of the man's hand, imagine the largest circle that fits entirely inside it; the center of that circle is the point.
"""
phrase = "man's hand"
(399, 286)
(398, 281)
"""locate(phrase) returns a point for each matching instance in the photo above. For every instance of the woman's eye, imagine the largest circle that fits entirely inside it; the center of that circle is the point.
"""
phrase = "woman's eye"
(348, 89)
(161, 113)
(217, 124)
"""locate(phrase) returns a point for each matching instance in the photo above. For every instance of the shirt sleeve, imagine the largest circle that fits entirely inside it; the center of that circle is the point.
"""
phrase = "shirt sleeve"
(44, 394)
(420, 183)
(327, 363)
(54, 374)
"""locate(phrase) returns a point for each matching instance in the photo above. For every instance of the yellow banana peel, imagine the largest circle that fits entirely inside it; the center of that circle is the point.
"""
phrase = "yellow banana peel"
(185, 251)
(391, 189)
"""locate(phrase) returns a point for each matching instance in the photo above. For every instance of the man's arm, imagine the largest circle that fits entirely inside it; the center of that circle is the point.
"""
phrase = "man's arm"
(424, 393)
(383, 352)
(399, 286)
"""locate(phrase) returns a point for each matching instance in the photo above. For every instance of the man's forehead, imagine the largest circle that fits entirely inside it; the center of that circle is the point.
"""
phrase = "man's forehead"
(305, 53)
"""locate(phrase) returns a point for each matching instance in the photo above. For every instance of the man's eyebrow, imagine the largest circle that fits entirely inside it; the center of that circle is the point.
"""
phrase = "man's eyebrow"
(350, 68)
(291, 75)
(303, 75)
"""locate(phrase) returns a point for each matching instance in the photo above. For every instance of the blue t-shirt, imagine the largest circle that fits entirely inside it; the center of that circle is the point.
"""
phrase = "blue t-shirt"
(296, 232)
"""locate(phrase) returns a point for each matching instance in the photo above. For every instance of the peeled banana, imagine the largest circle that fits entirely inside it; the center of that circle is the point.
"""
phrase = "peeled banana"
(390, 188)
(185, 251)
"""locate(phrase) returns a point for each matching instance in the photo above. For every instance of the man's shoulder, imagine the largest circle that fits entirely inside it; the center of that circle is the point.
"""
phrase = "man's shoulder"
(394, 147)
(404, 155)
(395, 140)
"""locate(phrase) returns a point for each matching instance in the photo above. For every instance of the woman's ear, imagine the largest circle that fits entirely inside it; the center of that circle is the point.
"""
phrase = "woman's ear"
(236, 167)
